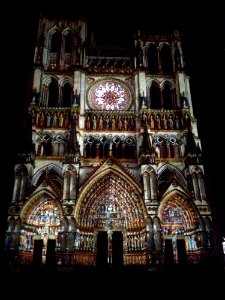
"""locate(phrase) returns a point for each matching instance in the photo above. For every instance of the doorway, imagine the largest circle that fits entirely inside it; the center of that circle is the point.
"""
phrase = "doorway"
(102, 250)
(181, 252)
(37, 253)
(109, 250)
(117, 250)
(50, 253)
(169, 255)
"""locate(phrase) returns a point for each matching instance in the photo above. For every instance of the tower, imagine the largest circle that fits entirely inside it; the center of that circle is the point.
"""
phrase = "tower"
(115, 174)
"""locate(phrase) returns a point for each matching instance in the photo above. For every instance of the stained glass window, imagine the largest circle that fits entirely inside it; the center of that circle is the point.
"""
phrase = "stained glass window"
(110, 96)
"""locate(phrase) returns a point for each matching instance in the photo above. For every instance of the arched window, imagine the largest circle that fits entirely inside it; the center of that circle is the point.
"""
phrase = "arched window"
(53, 94)
(155, 96)
(53, 175)
(56, 42)
(88, 151)
(55, 49)
(165, 180)
(66, 94)
(167, 97)
(68, 43)
(153, 59)
(166, 59)
(68, 48)
(93, 150)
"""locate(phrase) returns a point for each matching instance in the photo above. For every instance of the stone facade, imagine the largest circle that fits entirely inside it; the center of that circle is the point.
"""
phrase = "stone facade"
(116, 153)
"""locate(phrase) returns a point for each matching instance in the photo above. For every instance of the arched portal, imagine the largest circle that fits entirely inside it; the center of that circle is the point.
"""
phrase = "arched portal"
(41, 220)
(111, 204)
(180, 230)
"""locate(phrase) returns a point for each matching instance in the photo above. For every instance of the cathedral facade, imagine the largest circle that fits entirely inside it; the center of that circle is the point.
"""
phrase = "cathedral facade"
(115, 177)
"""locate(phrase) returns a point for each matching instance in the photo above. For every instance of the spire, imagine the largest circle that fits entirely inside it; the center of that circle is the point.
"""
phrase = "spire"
(193, 153)
(147, 153)
(73, 147)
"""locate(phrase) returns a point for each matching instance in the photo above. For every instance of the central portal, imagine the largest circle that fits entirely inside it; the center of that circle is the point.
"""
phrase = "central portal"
(109, 249)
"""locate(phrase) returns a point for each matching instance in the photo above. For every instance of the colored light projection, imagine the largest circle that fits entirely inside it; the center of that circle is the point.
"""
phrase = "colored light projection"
(111, 203)
(45, 217)
(110, 96)
(175, 226)
(172, 220)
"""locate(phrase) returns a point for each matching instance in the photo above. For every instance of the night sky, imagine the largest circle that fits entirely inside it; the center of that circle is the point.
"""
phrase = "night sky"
(202, 31)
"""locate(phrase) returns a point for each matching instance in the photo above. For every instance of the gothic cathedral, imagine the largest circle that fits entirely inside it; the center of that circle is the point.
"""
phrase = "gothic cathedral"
(115, 177)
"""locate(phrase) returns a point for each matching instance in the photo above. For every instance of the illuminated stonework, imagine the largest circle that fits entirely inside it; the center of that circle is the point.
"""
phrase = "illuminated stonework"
(110, 96)
(115, 174)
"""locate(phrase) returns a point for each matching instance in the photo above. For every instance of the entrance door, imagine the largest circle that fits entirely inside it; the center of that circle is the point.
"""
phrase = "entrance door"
(117, 250)
(169, 257)
(37, 253)
(102, 249)
(181, 251)
(50, 254)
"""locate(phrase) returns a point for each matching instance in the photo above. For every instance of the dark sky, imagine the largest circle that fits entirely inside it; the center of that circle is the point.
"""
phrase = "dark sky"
(202, 32)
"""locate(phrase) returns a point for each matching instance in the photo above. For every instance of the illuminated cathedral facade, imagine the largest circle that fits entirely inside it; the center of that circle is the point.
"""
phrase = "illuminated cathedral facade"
(115, 176)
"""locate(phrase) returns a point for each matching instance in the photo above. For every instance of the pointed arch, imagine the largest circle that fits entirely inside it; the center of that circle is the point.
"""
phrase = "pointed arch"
(196, 170)
(66, 95)
(198, 183)
(166, 58)
(65, 79)
(173, 170)
(54, 46)
(68, 40)
(155, 95)
(152, 56)
(50, 169)
(47, 80)
(42, 197)
(168, 95)
(55, 39)
(177, 204)
(148, 170)
(53, 93)
(70, 168)
(111, 188)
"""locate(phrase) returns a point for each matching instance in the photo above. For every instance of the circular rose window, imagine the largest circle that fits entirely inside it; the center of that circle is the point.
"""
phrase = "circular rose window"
(110, 96)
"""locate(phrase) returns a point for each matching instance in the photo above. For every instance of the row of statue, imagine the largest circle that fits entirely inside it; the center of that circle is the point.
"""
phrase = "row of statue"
(87, 241)
(110, 122)
(166, 122)
(60, 119)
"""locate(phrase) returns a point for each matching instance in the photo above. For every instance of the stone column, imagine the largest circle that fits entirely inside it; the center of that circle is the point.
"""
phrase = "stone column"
(153, 186)
(149, 234)
(196, 186)
(201, 187)
(16, 189)
(66, 186)
(22, 188)
(73, 186)
(146, 182)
